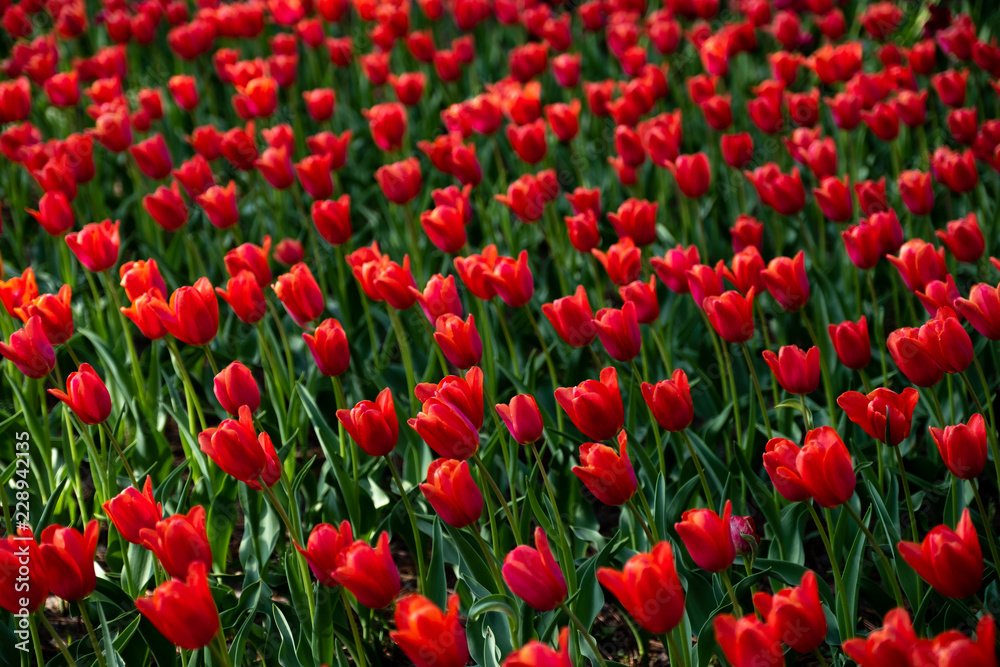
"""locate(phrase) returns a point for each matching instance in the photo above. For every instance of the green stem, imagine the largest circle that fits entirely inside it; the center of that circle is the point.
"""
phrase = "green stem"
(490, 561)
(727, 582)
(510, 341)
(57, 639)
(417, 543)
(701, 470)
(649, 514)
(219, 650)
(986, 522)
(586, 635)
(642, 523)
(36, 640)
(736, 404)
(876, 324)
(756, 386)
(824, 371)
(121, 454)
(548, 358)
(893, 583)
(404, 349)
(995, 446)
(85, 615)
(359, 648)
(906, 493)
(806, 415)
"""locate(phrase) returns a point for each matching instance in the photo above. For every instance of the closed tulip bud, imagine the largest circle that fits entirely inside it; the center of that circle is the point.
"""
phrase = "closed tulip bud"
(184, 90)
(445, 227)
(797, 371)
(132, 510)
(982, 309)
(582, 231)
(537, 654)
(235, 387)
(692, 173)
(882, 120)
(743, 532)
(748, 642)
(68, 558)
(465, 394)
(528, 140)
(153, 157)
(670, 401)
(622, 261)
(369, 574)
(594, 407)
(918, 263)
(428, 637)
(446, 429)
(245, 297)
(606, 473)
(96, 245)
(166, 207)
(401, 181)
(144, 315)
(782, 192)
(834, 198)
(795, 614)
(21, 566)
(275, 165)
(315, 175)
(648, 588)
(54, 311)
(192, 316)
(825, 467)
(956, 170)
(332, 218)
(894, 643)
(323, 550)
(635, 218)
(29, 349)
(643, 296)
(851, 342)
(950, 86)
(219, 204)
(938, 294)
(329, 347)
(572, 318)
(195, 175)
(452, 493)
(964, 239)
(564, 119)
(737, 149)
(917, 192)
(298, 292)
(54, 213)
(459, 340)
(512, 280)
(320, 103)
(731, 315)
(534, 575)
(946, 341)
(672, 269)
(372, 424)
(781, 463)
(963, 447)
(863, 244)
(183, 610)
(522, 418)
(86, 395)
(787, 282)
(706, 536)
(913, 357)
(951, 561)
(628, 145)
(619, 331)
(235, 447)
(440, 297)
(253, 258)
(745, 274)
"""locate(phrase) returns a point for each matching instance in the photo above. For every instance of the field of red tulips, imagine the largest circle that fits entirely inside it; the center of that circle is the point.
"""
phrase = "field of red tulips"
(516, 333)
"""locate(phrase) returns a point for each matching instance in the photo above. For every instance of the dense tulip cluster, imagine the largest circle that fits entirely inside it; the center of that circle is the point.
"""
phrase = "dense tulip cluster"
(529, 310)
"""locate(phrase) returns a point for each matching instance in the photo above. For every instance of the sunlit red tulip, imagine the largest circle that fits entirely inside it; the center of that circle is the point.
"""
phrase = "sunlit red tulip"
(834, 198)
(132, 510)
(54, 213)
(459, 340)
(55, 312)
(951, 561)
(622, 261)
(183, 609)
(964, 239)
(821, 469)
(894, 643)
(797, 371)
(24, 583)
(706, 536)
(982, 309)
(219, 204)
(96, 245)
(963, 447)
(787, 282)
(192, 315)
(648, 588)
(428, 637)
(369, 574)
(534, 575)
(153, 157)
(606, 473)
(86, 395)
(452, 492)
(68, 558)
(236, 447)
(594, 407)
(737, 149)
(30, 350)
(731, 315)
(401, 181)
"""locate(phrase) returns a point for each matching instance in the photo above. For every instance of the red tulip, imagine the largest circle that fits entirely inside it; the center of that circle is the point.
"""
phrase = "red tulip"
(409, 87)
(320, 103)
(882, 120)
(166, 207)
(62, 89)
(964, 239)
(54, 213)
(787, 282)
(821, 469)
(956, 170)
(946, 341)
(512, 280)
(68, 558)
(400, 181)
(459, 340)
(534, 575)
(323, 550)
(882, 414)
(30, 350)
(153, 157)
(132, 510)
(951, 561)
(731, 315)
(329, 347)
(670, 401)
(795, 614)
(452, 492)
(184, 90)
(192, 316)
(369, 574)
(537, 654)
(446, 428)
(143, 314)
(86, 395)
(55, 313)
(524, 198)
(643, 296)
(183, 609)
(428, 637)
(748, 642)
(672, 269)
(298, 292)
(916, 191)
(706, 537)
(606, 473)
(245, 297)
(564, 119)
(834, 198)
(619, 331)
(235, 447)
(693, 174)
(918, 263)
(195, 175)
(649, 589)
(528, 141)
(718, 112)
(796, 371)
(782, 192)
(445, 227)
(275, 165)
(96, 245)
(851, 342)
(895, 643)
(235, 387)
(24, 583)
(219, 204)
(112, 130)
(522, 418)
(747, 267)
(622, 261)
(963, 447)
(737, 149)
(373, 425)
(635, 218)
(594, 407)
(950, 86)
(982, 309)
(913, 357)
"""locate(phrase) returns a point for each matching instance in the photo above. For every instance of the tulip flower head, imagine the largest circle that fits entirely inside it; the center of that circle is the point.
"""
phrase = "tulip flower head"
(534, 575)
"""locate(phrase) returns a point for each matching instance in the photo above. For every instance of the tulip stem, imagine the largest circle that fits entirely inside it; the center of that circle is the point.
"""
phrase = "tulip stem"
(359, 648)
(876, 324)
(906, 493)
(56, 638)
(878, 551)
(995, 446)
(727, 582)
(564, 545)
(756, 386)
(121, 454)
(675, 652)
(510, 462)
(293, 533)
(986, 522)
(417, 544)
(338, 390)
(806, 415)
(284, 343)
(834, 564)
(186, 381)
(701, 470)
(490, 561)
(649, 514)
(499, 494)
(767, 344)
(85, 615)
(728, 365)
(822, 660)
(510, 341)
(140, 385)
(404, 349)
(583, 631)
(548, 358)
(824, 372)
(642, 523)
(36, 641)
(649, 410)
(211, 359)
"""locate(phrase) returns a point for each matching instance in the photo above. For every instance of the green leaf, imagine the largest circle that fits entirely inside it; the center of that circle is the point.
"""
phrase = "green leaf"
(437, 588)
(330, 443)
(286, 652)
